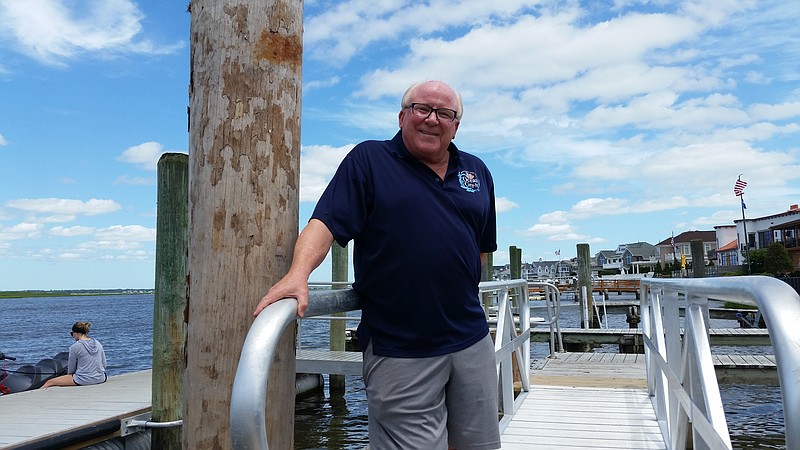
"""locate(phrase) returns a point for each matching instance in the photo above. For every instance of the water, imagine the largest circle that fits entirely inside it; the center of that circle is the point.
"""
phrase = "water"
(37, 328)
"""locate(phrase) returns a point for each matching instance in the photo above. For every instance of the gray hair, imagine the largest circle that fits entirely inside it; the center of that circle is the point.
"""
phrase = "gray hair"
(405, 101)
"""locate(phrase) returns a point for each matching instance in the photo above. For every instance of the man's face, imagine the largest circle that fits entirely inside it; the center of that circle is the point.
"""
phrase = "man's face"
(427, 138)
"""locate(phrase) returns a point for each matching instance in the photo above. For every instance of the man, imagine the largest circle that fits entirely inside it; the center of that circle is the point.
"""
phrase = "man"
(422, 216)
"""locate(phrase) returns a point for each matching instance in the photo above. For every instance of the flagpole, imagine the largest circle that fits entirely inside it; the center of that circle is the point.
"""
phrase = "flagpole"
(738, 190)
(746, 243)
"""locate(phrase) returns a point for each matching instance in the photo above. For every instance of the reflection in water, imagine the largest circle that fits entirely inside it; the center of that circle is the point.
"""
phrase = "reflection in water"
(323, 421)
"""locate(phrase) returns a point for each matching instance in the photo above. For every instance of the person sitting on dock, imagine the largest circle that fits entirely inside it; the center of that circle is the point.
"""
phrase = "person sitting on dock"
(422, 215)
(87, 360)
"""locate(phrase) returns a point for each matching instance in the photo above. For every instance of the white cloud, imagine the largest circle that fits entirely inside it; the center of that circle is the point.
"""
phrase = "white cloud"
(503, 204)
(144, 155)
(126, 233)
(71, 231)
(64, 206)
(24, 230)
(134, 181)
(3, 140)
(318, 163)
(53, 31)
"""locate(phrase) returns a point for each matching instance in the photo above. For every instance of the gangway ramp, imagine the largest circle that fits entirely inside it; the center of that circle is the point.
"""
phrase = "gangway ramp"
(586, 400)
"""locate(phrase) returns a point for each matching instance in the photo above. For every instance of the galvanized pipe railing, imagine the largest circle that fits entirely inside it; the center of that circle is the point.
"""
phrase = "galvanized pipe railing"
(248, 398)
(680, 374)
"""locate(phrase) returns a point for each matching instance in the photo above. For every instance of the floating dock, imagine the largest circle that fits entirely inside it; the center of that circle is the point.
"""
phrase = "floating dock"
(60, 417)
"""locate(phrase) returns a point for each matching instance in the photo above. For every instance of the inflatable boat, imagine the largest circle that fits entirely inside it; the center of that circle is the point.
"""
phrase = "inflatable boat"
(31, 376)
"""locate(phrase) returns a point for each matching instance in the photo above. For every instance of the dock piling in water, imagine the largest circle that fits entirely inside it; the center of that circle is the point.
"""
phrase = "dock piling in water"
(169, 302)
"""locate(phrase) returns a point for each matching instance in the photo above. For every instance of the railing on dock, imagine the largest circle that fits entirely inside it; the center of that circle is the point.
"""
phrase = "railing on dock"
(680, 373)
(512, 345)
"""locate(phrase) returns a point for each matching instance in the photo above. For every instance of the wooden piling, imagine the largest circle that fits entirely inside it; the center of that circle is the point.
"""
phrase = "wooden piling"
(585, 285)
(515, 262)
(339, 265)
(169, 328)
(698, 258)
(487, 274)
(244, 160)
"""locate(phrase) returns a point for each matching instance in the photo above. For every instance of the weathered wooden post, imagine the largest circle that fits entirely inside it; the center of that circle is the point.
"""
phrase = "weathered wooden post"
(588, 318)
(698, 258)
(169, 329)
(515, 262)
(244, 158)
(339, 266)
(487, 274)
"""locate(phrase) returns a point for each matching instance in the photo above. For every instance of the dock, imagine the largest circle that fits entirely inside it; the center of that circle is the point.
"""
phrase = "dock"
(586, 400)
(718, 336)
(59, 417)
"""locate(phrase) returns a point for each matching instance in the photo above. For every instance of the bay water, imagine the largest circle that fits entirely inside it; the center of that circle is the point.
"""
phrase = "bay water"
(37, 328)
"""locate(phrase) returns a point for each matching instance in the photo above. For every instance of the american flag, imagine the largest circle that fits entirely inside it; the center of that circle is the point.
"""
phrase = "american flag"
(738, 187)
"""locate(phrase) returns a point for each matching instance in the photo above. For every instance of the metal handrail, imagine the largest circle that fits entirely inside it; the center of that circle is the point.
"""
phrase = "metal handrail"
(680, 375)
(511, 341)
(248, 398)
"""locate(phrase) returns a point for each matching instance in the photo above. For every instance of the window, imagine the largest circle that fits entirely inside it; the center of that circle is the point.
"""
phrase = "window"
(764, 239)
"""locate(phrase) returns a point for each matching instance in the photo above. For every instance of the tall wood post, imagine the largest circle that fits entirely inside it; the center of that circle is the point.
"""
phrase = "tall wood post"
(585, 287)
(698, 258)
(169, 329)
(244, 158)
(515, 262)
(339, 268)
(487, 274)
(515, 268)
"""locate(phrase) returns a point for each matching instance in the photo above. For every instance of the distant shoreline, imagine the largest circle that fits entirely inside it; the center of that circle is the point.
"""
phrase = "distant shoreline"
(72, 292)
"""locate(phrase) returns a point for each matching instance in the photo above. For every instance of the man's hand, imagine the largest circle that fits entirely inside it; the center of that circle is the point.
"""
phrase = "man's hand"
(288, 287)
(310, 249)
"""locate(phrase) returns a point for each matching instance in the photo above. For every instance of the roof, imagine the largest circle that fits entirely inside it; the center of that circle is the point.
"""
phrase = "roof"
(689, 236)
(732, 245)
(793, 210)
(641, 249)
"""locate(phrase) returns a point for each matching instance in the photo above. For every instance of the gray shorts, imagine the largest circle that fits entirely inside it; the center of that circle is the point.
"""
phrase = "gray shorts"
(430, 403)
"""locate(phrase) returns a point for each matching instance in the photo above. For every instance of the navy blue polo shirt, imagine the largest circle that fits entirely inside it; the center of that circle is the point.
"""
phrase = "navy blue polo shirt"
(418, 241)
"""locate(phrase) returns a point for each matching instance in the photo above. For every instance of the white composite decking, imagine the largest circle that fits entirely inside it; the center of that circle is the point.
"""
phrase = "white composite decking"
(561, 417)
(586, 401)
(45, 415)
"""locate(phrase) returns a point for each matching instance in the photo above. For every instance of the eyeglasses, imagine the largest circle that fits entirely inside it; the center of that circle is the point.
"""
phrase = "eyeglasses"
(424, 111)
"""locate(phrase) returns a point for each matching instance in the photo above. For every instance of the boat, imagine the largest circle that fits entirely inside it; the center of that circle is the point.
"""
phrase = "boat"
(31, 376)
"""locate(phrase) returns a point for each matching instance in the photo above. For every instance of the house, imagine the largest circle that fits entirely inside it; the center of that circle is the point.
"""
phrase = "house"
(628, 258)
(673, 249)
(727, 253)
(762, 231)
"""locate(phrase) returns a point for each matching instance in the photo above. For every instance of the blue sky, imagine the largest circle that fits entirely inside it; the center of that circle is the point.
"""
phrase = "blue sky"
(603, 122)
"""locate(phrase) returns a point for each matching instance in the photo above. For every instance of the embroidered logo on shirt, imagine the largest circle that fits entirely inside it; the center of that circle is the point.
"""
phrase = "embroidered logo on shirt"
(469, 181)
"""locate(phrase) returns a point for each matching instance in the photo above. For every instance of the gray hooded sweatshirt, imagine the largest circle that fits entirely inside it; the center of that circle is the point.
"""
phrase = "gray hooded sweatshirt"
(87, 362)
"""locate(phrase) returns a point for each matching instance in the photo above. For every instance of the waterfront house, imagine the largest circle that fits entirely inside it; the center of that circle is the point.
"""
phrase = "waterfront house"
(727, 254)
(672, 249)
(783, 227)
(628, 258)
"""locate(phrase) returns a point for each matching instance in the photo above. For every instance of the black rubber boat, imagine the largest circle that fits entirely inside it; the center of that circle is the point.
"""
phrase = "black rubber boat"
(31, 376)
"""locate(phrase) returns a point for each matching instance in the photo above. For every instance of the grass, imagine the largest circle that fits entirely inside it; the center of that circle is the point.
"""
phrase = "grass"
(66, 293)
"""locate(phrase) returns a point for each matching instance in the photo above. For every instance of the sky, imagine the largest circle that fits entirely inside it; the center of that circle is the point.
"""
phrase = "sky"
(602, 121)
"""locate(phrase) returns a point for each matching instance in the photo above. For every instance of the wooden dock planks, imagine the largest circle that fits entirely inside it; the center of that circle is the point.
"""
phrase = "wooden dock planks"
(718, 336)
(28, 419)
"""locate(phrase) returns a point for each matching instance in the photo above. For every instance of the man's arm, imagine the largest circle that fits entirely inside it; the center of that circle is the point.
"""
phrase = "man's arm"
(310, 249)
